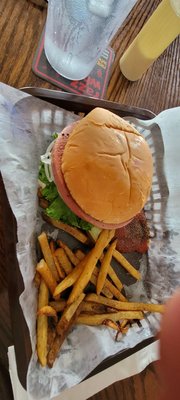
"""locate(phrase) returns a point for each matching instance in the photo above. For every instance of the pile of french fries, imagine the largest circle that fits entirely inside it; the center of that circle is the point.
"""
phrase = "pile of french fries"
(63, 276)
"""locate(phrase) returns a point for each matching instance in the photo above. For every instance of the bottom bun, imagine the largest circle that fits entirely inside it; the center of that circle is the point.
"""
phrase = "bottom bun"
(57, 153)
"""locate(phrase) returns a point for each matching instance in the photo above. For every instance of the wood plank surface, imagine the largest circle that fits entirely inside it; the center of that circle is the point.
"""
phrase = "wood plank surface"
(21, 24)
(143, 386)
(159, 88)
(6, 338)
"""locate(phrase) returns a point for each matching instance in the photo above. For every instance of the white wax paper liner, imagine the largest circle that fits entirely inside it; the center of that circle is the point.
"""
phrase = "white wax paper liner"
(26, 126)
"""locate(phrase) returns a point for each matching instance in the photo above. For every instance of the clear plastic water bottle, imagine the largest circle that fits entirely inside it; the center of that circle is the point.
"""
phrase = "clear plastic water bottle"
(77, 32)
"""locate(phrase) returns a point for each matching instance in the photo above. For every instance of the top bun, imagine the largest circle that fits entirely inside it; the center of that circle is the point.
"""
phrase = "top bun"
(107, 167)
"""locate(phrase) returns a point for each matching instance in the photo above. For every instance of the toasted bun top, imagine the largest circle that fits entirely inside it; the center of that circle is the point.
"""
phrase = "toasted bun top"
(107, 167)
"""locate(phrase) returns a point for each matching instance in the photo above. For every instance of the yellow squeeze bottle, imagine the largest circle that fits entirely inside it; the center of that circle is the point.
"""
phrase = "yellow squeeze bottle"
(156, 35)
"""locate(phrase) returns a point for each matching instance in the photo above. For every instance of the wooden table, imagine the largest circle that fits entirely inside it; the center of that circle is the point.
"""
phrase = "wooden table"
(21, 24)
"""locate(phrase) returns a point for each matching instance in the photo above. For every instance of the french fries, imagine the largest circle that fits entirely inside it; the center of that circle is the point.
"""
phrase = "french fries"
(111, 324)
(63, 260)
(108, 285)
(65, 323)
(124, 326)
(51, 336)
(105, 267)
(125, 264)
(43, 241)
(72, 277)
(115, 278)
(93, 308)
(59, 268)
(48, 311)
(42, 325)
(112, 274)
(98, 319)
(52, 246)
(128, 306)
(69, 312)
(93, 278)
(105, 290)
(102, 241)
(79, 254)
(62, 269)
(37, 279)
(58, 305)
(47, 275)
(76, 233)
(72, 257)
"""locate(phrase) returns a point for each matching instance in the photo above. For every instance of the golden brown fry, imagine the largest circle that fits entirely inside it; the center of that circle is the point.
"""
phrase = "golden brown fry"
(64, 325)
(43, 241)
(79, 254)
(60, 270)
(72, 277)
(101, 258)
(69, 311)
(51, 336)
(48, 311)
(109, 286)
(102, 241)
(46, 274)
(52, 246)
(101, 300)
(124, 326)
(111, 324)
(74, 260)
(105, 267)
(116, 293)
(58, 305)
(42, 325)
(43, 295)
(37, 279)
(55, 346)
(63, 260)
(76, 233)
(98, 319)
(43, 203)
(93, 308)
(125, 306)
(115, 279)
(69, 280)
(124, 323)
(125, 264)
(105, 290)
(109, 309)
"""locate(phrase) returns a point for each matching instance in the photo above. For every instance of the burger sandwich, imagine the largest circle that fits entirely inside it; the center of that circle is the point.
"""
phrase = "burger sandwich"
(97, 172)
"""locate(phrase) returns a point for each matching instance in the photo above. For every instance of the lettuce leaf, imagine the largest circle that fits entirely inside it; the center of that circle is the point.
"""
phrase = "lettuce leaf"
(50, 192)
(60, 211)
(42, 175)
(55, 135)
(57, 208)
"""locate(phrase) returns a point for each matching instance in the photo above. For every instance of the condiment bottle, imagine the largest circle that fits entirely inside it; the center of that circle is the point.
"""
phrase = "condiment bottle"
(156, 35)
